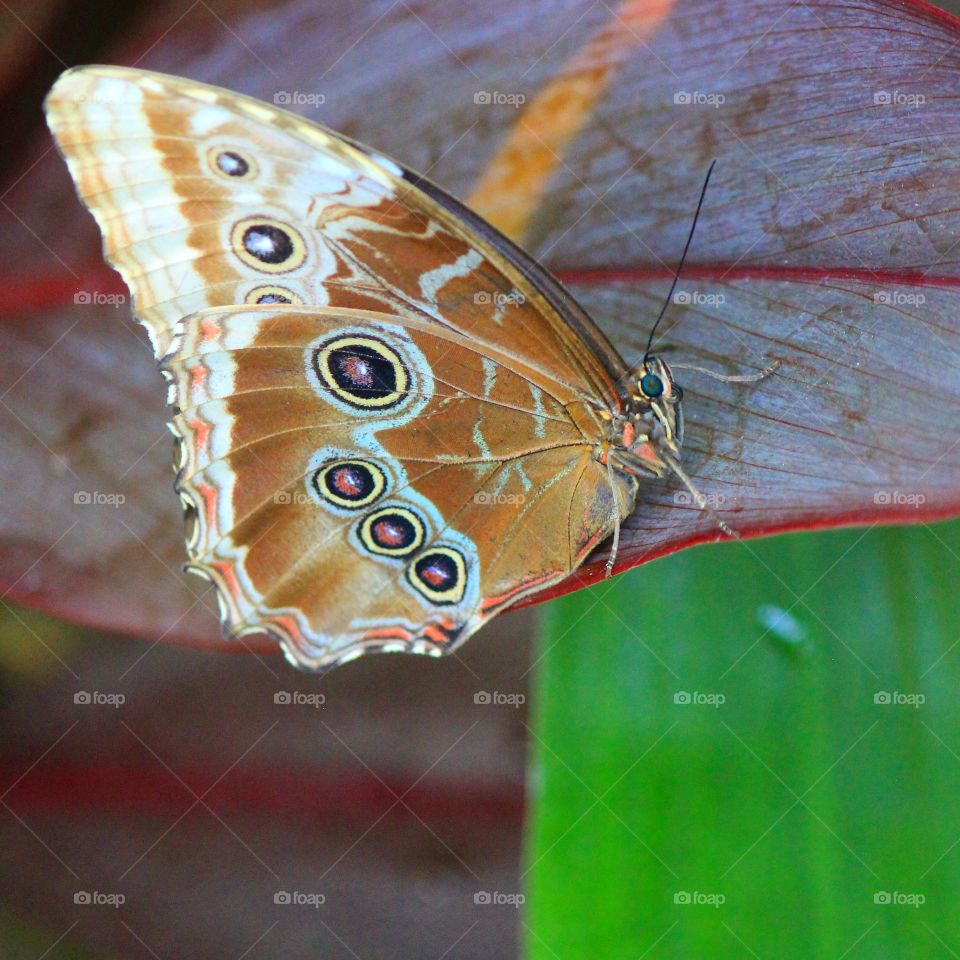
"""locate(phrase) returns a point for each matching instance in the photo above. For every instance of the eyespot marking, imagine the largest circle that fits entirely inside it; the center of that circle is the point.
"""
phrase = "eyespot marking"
(232, 164)
(439, 574)
(392, 532)
(352, 484)
(362, 371)
(268, 245)
(269, 293)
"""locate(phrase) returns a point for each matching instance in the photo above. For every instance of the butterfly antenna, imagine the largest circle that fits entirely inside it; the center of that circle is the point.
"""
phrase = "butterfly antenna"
(683, 257)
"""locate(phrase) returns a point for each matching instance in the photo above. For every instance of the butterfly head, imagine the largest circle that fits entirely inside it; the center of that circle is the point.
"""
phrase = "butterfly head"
(652, 420)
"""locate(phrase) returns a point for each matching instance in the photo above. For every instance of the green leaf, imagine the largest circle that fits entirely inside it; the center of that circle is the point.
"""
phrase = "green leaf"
(714, 727)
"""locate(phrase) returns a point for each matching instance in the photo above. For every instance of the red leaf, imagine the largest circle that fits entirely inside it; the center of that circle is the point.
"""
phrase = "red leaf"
(828, 241)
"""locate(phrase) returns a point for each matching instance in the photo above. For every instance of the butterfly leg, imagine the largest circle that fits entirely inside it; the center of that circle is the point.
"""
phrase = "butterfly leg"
(635, 464)
(612, 559)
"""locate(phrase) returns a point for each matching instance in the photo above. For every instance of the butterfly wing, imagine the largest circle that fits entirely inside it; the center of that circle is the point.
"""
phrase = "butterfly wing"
(359, 481)
(208, 198)
(211, 202)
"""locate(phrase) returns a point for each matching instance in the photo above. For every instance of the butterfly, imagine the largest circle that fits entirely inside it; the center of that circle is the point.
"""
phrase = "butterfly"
(392, 423)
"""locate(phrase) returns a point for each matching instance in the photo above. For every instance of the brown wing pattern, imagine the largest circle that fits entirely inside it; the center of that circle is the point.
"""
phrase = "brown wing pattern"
(170, 167)
(387, 412)
(319, 495)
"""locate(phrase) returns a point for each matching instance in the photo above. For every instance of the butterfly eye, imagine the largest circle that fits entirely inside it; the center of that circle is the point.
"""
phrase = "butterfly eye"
(651, 386)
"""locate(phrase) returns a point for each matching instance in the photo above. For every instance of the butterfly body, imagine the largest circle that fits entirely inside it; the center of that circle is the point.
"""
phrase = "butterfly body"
(392, 423)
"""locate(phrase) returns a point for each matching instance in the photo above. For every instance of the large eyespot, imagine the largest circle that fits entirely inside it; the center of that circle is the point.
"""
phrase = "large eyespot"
(232, 164)
(362, 371)
(272, 294)
(392, 532)
(267, 245)
(651, 386)
(352, 484)
(440, 574)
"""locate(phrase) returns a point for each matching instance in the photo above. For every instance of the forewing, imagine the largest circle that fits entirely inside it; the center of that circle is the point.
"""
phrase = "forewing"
(209, 198)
